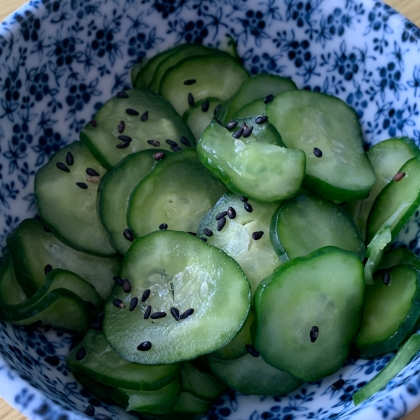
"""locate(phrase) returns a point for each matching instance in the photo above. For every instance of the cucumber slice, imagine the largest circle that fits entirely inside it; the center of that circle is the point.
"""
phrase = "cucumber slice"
(256, 257)
(398, 201)
(135, 71)
(184, 273)
(307, 223)
(100, 357)
(321, 124)
(114, 195)
(319, 299)
(66, 199)
(252, 109)
(391, 312)
(256, 166)
(390, 371)
(178, 193)
(184, 51)
(386, 158)
(95, 388)
(252, 89)
(199, 116)
(190, 404)
(217, 75)
(399, 256)
(253, 376)
(33, 249)
(10, 291)
(135, 120)
(202, 385)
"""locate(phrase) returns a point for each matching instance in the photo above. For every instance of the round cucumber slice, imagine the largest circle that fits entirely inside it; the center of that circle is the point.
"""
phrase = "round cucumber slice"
(319, 300)
(252, 109)
(177, 193)
(206, 290)
(329, 133)
(391, 313)
(252, 376)
(307, 223)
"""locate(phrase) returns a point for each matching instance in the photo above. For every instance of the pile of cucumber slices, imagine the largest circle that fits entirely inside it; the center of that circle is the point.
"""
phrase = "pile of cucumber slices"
(213, 230)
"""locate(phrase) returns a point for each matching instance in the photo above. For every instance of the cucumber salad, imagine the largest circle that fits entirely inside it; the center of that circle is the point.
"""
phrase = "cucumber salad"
(213, 230)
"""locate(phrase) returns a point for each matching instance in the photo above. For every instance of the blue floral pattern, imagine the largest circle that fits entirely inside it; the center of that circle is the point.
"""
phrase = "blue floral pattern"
(60, 60)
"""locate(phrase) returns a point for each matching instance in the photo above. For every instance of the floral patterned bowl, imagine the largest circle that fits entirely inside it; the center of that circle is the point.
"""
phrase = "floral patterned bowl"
(61, 59)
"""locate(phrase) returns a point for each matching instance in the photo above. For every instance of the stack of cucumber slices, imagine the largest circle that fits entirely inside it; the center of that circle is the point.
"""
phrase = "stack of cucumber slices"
(215, 230)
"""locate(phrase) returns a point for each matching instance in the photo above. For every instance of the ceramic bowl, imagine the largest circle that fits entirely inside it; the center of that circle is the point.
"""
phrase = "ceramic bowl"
(61, 59)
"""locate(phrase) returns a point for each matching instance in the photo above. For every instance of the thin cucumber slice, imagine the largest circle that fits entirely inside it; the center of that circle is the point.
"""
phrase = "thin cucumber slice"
(66, 198)
(386, 158)
(199, 116)
(95, 388)
(33, 249)
(307, 223)
(399, 256)
(114, 195)
(319, 299)
(178, 193)
(202, 385)
(182, 273)
(257, 257)
(135, 71)
(391, 312)
(390, 371)
(252, 109)
(10, 291)
(256, 166)
(186, 51)
(217, 75)
(135, 120)
(321, 124)
(253, 376)
(256, 87)
(100, 357)
(398, 201)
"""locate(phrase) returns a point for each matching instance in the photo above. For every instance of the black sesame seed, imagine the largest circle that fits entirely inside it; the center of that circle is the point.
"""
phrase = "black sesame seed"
(147, 312)
(122, 145)
(82, 185)
(217, 109)
(145, 116)
(52, 360)
(175, 313)
(251, 350)
(203, 239)
(47, 229)
(386, 278)
(92, 172)
(185, 141)
(231, 125)
(163, 226)
(247, 132)
(187, 313)
(399, 176)
(268, 99)
(133, 304)
(81, 353)
(208, 232)
(90, 410)
(218, 121)
(176, 149)
(122, 95)
(145, 346)
(93, 123)
(317, 152)
(97, 326)
(62, 167)
(248, 207)
(125, 139)
(191, 100)
(47, 269)
(189, 82)
(314, 333)
(243, 199)
(231, 213)
(159, 155)
(69, 158)
(145, 295)
(121, 127)
(338, 385)
(128, 235)
(205, 105)
(132, 112)
(126, 286)
(192, 233)
(238, 133)
(261, 120)
(171, 142)
(118, 303)
(221, 214)
(154, 143)
(118, 280)
(158, 315)
(257, 235)
(221, 224)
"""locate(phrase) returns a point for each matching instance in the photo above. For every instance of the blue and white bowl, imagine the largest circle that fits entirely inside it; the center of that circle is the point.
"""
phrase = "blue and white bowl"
(61, 59)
